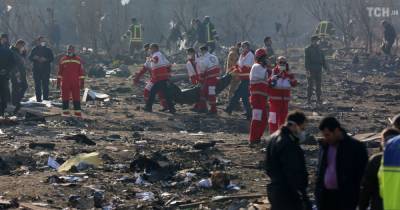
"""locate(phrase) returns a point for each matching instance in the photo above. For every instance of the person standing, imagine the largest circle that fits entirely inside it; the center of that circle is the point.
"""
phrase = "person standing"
(231, 62)
(135, 33)
(389, 174)
(314, 62)
(389, 37)
(281, 82)
(160, 75)
(244, 64)
(211, 34)
(259, 87)
(286, 166)
(370, 197)
(7, 63)
(71, 79)
(341, 166)
(19, 84)
(4, 41)
(209, 71)
(42, 57)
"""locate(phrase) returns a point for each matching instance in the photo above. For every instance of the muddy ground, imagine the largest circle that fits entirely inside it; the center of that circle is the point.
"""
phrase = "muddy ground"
(362, 98)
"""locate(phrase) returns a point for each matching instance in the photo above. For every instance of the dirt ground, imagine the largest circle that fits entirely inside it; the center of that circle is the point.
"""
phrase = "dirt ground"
(361, 98)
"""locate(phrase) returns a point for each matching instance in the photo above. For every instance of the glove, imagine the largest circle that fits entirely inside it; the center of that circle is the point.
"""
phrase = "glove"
(82, 84)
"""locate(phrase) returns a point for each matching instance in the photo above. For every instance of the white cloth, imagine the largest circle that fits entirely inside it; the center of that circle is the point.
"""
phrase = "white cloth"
(246, 60)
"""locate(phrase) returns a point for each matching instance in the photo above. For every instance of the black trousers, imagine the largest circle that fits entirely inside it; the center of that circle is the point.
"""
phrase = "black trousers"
(160, 86)
(19, 85)
(4, 95)
(242, 92)
(283, 198)
(329, 200)
(314, 81)
(42, 81)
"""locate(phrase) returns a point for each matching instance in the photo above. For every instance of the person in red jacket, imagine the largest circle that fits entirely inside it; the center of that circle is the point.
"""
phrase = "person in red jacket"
(259, 87)
(281, 82)
(71, 80)
(209, 71)
(149, 84)
(191, 66)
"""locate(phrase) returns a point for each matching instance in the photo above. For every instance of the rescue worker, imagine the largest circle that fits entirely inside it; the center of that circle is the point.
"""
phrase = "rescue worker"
(71, 80)
(135, 34)
(149, 84)
(244, 64)
(160, 75)
(258, 96)
(231, 62)
(389, 37)
(286, 166)
(42, 57)
(191, 66)
(209, 71)
(389, 174)
(19, 84)
(211, 34)
(281, 81)
(7, 63)
(314, 62)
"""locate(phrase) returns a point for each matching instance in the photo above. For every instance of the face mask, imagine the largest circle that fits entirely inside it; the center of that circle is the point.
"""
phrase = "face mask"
(71, 54)
(43, 44)
(302, 136)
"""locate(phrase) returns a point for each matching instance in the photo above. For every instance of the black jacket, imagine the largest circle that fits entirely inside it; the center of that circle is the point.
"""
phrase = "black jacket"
(370, 195)
(20, 67)
(285, 163)
(314, 58)
(351, 159)
(389, 33)
(7, 63)
(45, 52)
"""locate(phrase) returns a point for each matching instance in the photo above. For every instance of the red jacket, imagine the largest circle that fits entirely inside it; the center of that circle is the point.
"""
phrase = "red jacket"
(281, 82)
(70, 70)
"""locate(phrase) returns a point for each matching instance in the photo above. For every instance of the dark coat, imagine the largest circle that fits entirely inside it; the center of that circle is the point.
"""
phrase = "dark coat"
(370, 195)
(7, 63)
(285, 163)
(351, 160)
(314, 59)
(45, 52)
(389, 33)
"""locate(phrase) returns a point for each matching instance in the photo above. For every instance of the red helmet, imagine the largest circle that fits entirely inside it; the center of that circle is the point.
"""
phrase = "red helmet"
(261, 52)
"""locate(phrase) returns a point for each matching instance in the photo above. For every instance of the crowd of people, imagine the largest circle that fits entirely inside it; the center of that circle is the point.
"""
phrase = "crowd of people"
(345, 178)
(14, 68)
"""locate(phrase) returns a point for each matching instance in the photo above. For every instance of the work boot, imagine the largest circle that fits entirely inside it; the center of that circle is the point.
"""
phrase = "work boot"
(147, 109)
(17, 108)
(65, 113)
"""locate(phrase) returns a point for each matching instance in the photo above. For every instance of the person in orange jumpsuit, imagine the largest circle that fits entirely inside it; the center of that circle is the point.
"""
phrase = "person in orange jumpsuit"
(71, 80)
(281, 81)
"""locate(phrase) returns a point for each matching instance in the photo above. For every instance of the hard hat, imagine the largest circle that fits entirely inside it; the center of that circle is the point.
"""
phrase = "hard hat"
(261, 52)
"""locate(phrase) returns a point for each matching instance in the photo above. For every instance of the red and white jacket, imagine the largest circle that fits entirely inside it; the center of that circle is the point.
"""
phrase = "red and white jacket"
(259, 80)
(281, 83)
(245, 63)
(209, 68)
(159, 66)
(191, 67)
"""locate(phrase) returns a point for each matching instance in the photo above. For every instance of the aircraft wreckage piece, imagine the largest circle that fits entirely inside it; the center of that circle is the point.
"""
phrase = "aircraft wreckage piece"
(192, 95)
